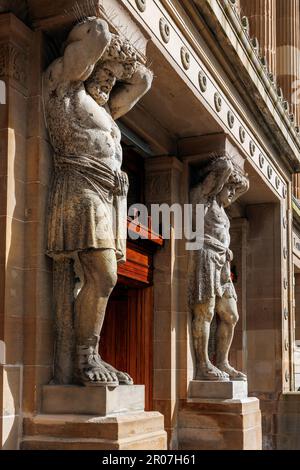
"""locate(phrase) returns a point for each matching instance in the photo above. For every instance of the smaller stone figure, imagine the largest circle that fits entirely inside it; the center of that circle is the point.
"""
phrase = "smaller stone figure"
(212, 290)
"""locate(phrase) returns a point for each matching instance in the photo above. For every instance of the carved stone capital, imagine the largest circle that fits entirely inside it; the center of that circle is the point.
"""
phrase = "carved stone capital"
(15, 41)
(162, 179)
(13, 63)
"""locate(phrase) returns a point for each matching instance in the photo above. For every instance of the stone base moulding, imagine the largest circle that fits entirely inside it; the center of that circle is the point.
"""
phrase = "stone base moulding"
(217, 424)
(105, 419)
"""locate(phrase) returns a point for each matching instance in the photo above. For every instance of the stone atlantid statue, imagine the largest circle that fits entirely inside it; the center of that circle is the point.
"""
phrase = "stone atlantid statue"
(211, 287)
(99, 78)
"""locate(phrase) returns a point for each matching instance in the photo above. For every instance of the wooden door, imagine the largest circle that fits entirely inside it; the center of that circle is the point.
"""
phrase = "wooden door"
(127, 335)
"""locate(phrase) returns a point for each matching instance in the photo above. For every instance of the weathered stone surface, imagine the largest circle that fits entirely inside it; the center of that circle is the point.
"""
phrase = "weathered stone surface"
(101, 401)
(143, 431)
(231, 390)
(220, 424)
(88, 192)
(220, 182)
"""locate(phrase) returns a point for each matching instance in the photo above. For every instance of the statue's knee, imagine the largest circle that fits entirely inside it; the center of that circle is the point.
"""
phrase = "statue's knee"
(103, 283)
(233, 317)
(203, 314)
(111, 281)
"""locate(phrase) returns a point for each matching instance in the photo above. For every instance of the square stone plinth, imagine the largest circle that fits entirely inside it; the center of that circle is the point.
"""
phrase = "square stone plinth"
(212, 424)
(230, 390)
(97, 401)
(133, 431)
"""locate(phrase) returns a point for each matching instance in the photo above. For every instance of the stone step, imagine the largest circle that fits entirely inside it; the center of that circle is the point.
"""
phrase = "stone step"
(150, 441)
(80, 427)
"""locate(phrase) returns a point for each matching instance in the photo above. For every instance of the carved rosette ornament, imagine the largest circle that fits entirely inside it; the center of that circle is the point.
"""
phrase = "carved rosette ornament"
(242, 134)
(270, 172)
(252, 148)
(230, 119)
(202, 81)
(185, 58)
(165, 30)
(218, 101)
(141, 5)
(261, 160)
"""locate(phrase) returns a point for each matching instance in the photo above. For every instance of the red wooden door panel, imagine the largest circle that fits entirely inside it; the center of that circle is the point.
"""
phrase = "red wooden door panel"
(127, 335)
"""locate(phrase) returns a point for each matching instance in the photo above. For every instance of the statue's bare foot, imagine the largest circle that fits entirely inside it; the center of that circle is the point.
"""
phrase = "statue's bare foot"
(91, 371)
(233, 373)
(123, 377)
(210, 372)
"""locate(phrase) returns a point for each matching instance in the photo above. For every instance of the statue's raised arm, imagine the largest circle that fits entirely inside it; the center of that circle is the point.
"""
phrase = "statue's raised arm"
(84, 47)
(217, 174)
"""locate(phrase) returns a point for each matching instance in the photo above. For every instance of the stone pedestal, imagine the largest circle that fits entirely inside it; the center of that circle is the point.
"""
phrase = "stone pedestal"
(231, 422)
(98, 401)
(231, 390)
(94, 418)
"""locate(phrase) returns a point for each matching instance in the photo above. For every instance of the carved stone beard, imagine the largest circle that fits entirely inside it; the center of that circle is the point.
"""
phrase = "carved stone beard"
(100, 92)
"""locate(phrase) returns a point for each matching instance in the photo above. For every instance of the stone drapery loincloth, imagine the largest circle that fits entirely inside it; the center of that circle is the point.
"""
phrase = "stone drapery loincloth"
(87, 207)
(210, 271)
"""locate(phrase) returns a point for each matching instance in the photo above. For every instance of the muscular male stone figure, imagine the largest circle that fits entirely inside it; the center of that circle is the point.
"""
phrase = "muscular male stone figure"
(98, 79)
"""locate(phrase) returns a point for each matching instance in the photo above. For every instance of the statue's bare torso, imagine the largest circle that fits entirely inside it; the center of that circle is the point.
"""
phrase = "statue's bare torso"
(71, 111)
(216, 223)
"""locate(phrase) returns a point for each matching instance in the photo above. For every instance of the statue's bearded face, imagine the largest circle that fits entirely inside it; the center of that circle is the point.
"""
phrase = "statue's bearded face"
(104, 78)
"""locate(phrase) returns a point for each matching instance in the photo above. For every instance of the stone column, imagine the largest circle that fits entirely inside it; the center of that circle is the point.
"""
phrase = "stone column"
(262, 18)
(15, 42)
(170, 318)
(265, 276)
(288, 50)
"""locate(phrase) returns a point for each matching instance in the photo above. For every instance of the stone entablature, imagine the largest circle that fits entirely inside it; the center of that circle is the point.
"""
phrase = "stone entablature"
(202, 81)
(238, 40)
